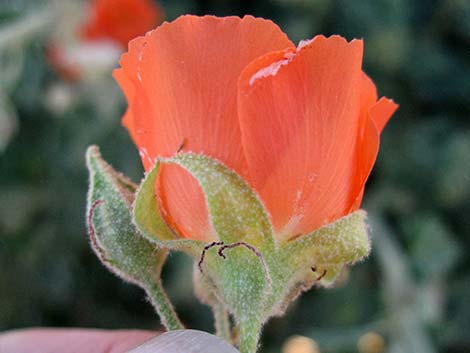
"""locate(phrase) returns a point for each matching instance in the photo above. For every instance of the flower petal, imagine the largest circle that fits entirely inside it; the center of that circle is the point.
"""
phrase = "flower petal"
(299, 117)
(183, 204)
(381, 112)
(185, 99)
(126, 77)
(375, 118)
(367, 139)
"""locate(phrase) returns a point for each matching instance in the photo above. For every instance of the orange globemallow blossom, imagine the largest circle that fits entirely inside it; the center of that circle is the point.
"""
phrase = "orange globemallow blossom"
(120, 20)
(301, 125)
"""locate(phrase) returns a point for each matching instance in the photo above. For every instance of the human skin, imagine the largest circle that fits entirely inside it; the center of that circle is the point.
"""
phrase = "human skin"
(47, 340)
(44, 340)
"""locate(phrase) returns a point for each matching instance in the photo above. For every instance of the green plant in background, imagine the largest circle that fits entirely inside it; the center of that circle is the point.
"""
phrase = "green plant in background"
(420, 182)
(14, 36)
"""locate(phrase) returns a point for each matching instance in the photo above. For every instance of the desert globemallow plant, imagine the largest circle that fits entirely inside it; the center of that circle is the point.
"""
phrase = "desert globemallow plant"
(256, 154)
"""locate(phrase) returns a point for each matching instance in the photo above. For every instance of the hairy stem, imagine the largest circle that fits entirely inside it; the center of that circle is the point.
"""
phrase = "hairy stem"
(249, 333)
(163, 306)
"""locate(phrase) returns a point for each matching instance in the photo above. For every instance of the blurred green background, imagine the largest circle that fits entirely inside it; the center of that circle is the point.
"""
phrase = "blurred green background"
(414, 290)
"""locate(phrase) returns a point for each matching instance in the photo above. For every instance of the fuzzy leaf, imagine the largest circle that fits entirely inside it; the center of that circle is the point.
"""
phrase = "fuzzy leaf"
(114, 238)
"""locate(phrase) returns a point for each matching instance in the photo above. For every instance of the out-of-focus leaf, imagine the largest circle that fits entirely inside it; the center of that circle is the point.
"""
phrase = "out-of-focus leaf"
(432, 300)
(26, 27)
(453, 187)
(11, 64)
(8, 121)
(460, 9)
(19, 204)
(405, 325)
(455, 332)
(434, 250)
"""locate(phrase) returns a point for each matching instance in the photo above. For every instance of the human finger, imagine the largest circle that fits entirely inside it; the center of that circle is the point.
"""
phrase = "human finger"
(48, 340)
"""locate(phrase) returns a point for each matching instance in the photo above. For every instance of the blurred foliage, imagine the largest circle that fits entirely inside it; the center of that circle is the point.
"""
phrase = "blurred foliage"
(415, 288)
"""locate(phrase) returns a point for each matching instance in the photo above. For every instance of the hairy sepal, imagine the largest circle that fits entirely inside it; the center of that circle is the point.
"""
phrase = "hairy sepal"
(236, 215)
(345, 241)
(318, 258)
(113, 236)
(235, 211)
(250, 273)
(148, 218)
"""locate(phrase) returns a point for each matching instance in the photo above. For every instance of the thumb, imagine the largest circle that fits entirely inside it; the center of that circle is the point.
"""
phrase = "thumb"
(185, 341)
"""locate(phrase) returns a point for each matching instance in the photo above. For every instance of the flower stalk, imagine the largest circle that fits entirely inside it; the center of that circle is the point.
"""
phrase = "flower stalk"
(163, 306)
(249, 333)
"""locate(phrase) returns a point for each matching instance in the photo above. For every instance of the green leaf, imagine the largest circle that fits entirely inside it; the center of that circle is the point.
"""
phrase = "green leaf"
(8, 121)
(116, 240)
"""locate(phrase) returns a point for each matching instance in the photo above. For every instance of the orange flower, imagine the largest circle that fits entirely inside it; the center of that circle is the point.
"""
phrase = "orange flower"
(120, 20)
(300, 124)
(109, 26)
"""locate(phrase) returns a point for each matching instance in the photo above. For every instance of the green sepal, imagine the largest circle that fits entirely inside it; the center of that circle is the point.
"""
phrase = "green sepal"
(275, 277)
(204, 288)
(318, 258)
(115, 239)
(345, 241)
(112, 234)
(242, 279)
(205, 291)
(256, 278)
(235, 211)
(148, 218)
(236, 215)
